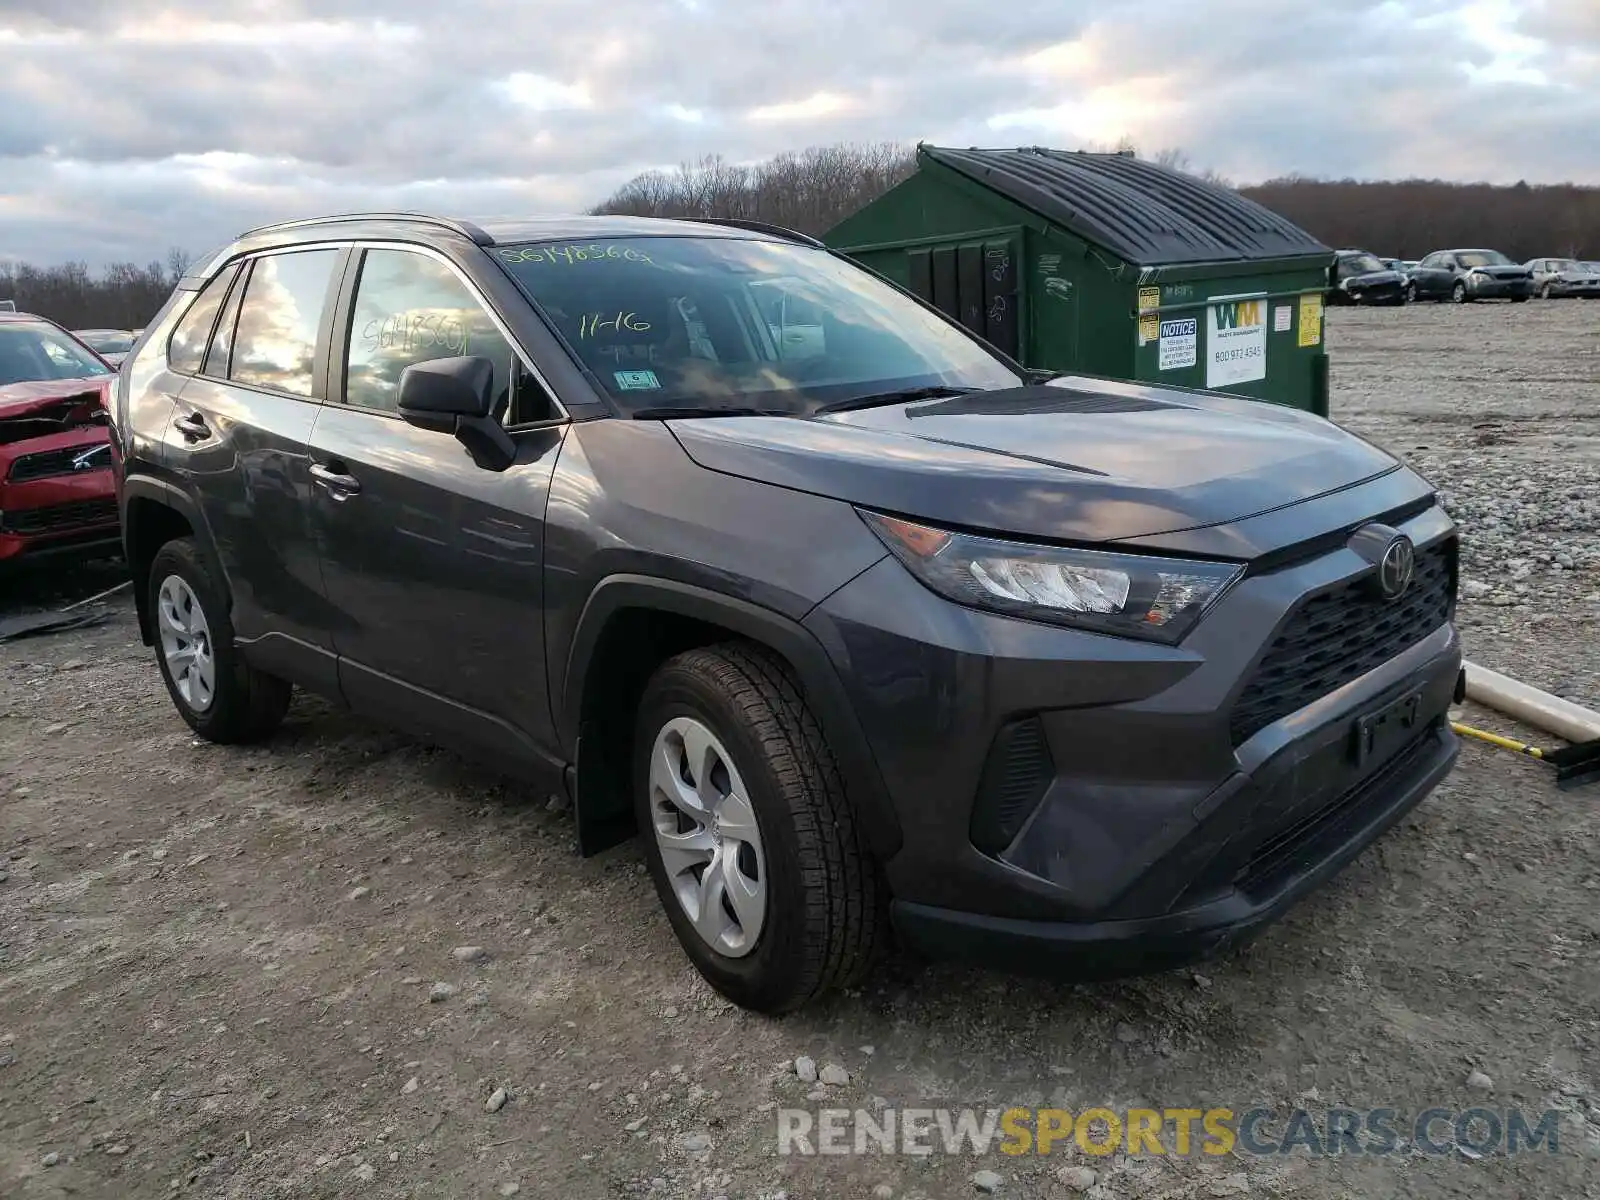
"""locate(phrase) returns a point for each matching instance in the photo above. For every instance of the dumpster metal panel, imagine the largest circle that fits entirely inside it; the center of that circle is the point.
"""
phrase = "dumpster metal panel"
(1141, 212)
(1103, 264)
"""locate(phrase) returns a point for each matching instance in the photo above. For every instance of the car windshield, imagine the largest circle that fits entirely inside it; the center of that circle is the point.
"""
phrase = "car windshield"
(31, 352)
(107, 341)
(1362, 264)
(1482, 258)
(712, 324)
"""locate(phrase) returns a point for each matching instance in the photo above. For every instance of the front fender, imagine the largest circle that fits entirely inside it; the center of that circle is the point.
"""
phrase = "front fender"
(823, 689)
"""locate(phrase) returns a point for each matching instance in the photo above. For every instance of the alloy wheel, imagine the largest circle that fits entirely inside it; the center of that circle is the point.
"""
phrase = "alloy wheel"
(706, 831)
(186, 643)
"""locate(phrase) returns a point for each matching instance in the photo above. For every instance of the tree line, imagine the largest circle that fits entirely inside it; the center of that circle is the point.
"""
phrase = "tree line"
(812, 190)
(120, 296)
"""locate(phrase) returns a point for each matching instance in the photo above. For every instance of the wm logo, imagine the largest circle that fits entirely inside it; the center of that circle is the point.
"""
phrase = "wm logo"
(1240, 314)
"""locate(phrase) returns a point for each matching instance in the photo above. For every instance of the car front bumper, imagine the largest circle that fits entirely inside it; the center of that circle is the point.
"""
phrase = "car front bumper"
(1154, 830)
(57, 509)
(1483, 288)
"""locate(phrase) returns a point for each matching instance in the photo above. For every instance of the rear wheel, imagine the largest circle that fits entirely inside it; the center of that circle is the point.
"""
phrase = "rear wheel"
(749, 835)
(1409, 293)
(221, 696)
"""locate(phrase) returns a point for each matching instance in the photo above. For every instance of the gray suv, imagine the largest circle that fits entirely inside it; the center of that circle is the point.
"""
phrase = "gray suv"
(864, 628)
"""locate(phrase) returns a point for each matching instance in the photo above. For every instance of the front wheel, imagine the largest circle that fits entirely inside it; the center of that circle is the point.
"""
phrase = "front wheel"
(222, 697)
(1458, 294)
(1409, 294)
(749, 835)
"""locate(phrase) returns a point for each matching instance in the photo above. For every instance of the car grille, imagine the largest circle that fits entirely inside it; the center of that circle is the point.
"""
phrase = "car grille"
(57, 518)
(1342, 634)
(50, 462)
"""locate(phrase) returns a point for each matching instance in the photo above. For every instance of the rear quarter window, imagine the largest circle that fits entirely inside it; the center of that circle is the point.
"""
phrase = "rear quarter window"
(187, 348)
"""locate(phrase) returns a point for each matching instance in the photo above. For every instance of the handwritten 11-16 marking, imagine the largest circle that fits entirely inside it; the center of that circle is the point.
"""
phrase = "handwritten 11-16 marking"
(575, 254)
(591, 325)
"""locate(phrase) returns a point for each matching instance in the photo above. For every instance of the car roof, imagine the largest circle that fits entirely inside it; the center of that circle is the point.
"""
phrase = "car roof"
(435, 230)
(12, 318)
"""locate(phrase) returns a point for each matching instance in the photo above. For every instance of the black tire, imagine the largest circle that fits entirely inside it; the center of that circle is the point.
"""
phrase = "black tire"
(1408, 294)
(1458, 294)
(246, 704)
(1519, 299)
(1544, 292)
(826, 916)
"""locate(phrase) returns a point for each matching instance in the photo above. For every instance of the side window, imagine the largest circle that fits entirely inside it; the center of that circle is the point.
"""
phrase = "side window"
(221, 351)
(275, 342)
(187, 347)
(410, 308)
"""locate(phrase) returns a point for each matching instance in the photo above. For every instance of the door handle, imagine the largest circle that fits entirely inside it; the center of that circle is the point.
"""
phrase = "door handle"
(193, 427)
(336, 483)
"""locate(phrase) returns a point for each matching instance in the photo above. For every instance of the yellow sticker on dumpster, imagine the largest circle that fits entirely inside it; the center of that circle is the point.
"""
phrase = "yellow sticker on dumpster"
(1310, 320)
(1149, 299)
(1149, 328)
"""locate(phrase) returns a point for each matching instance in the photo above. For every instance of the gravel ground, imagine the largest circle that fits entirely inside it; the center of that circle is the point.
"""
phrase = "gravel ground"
(342, 964)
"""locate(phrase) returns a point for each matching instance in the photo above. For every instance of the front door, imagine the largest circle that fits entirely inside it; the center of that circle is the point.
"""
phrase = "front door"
(433, 564)
(238, 436)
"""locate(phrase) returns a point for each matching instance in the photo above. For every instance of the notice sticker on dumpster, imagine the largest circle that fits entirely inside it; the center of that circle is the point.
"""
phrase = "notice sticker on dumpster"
(1236, 340)
(1282, 319)
(1180, 343)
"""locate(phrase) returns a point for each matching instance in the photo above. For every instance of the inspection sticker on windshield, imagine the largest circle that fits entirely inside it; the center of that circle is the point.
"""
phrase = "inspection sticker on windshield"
(1179, 343)
(634, 381)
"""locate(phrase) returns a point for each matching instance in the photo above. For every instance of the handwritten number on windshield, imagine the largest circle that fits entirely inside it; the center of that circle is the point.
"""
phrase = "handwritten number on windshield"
(573, 254)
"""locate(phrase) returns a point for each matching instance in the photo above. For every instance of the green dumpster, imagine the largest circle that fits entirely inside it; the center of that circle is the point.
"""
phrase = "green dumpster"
(1106, 264)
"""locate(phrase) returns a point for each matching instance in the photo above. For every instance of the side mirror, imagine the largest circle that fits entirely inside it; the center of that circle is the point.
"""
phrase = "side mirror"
(456, 396)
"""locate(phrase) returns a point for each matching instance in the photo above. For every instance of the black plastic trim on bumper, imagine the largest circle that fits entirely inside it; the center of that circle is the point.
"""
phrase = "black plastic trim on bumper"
(1109, 949)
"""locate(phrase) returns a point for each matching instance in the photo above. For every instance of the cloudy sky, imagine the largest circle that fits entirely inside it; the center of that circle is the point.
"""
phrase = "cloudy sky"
(131, 126)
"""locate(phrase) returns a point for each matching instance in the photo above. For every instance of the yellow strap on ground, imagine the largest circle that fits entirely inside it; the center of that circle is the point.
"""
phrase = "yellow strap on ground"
(1494, 739)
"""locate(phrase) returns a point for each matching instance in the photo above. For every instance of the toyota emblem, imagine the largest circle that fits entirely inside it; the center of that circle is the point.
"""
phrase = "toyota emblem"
(1396, 567)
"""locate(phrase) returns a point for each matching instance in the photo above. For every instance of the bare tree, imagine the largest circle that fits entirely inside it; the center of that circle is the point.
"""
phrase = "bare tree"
(809, 190)
(123, 296)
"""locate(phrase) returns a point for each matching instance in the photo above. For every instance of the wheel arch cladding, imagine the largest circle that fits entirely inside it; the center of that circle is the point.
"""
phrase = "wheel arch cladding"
(153, 515)
(633, 624)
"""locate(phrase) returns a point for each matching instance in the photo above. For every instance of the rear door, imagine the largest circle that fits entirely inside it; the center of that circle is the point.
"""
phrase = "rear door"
(238, 441)
(433, 565)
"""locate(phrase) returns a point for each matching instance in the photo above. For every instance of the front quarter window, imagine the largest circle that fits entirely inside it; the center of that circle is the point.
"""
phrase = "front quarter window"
(723, 322)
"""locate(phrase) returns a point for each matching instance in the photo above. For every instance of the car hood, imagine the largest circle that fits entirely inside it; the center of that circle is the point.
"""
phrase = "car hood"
(1075, 459)
(1509, 271)
(24, 399)
(1374, 278)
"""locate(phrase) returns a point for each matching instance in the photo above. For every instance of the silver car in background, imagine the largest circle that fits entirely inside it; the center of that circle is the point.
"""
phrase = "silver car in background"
(1553, 277)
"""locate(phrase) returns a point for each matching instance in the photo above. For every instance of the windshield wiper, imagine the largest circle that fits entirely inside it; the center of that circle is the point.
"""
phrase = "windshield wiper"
(675, 412)
(903, 396)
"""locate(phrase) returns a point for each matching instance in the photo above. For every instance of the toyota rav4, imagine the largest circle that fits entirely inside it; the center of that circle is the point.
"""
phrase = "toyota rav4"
(861, 626)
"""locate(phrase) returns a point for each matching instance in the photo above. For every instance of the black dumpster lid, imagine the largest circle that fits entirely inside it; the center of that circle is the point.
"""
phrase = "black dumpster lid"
(1143, 213)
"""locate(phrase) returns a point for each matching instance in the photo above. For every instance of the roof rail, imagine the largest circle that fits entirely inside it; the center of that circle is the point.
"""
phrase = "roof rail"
(788, 235)
(465, 228)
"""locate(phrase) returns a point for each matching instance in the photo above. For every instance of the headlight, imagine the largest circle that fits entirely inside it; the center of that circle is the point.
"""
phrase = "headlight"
(1129, 595)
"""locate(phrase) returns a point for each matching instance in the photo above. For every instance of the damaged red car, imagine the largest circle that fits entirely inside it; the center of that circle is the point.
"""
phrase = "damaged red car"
(56, 492)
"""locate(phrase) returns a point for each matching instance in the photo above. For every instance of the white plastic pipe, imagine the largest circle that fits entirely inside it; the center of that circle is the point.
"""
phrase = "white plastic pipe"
(1568, 721)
